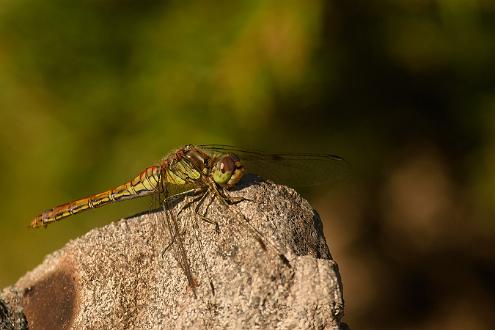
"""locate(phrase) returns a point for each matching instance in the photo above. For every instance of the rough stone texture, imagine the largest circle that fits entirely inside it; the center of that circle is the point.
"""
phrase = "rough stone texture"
(129, 274)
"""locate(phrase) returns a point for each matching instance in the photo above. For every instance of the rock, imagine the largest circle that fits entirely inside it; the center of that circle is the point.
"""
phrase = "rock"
(260, 263)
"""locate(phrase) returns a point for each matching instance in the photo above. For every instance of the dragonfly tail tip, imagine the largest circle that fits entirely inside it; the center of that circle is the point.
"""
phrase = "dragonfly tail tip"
(36, 223)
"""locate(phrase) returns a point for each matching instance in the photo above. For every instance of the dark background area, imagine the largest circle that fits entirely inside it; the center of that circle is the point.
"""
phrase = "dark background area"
(92, 92)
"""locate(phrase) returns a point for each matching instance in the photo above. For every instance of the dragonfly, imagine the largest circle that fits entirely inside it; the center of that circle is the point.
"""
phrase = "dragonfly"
(212, 168)
(205, 170)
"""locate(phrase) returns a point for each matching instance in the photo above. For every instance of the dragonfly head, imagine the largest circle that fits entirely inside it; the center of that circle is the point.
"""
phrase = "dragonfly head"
(227, 170)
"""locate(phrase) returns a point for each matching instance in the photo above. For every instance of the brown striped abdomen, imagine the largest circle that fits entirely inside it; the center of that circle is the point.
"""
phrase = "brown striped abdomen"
(147, 182)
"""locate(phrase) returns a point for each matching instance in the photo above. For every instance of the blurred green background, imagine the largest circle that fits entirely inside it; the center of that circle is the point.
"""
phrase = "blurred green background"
(92, 92)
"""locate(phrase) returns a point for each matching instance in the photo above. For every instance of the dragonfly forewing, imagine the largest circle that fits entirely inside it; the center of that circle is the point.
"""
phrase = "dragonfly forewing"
(294, 169)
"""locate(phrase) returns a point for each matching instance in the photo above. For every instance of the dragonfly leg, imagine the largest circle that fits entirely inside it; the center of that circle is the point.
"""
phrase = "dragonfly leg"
(203, 216)
(231, 200)
(196, 199)
(211, 222)
(208, 220)
(236, 200)
(169, 200)
(190, 192)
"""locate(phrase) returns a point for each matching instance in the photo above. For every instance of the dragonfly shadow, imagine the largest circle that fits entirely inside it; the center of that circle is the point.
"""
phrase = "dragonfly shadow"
(247, 180)
(152, 211)
(322, 252)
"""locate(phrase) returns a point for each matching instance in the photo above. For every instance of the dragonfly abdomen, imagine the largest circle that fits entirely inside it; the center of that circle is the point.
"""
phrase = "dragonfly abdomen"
(147, 182)
(144, 184)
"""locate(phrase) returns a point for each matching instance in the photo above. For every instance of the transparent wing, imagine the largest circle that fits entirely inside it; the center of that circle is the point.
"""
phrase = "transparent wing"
(177, 243)
(294, 169)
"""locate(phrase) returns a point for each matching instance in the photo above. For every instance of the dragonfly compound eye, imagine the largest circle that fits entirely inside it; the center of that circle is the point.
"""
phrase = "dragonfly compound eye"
(223, 169)
(227, 170)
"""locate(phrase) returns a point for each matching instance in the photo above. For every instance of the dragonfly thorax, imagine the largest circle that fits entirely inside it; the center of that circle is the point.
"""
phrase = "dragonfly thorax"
(197, 159)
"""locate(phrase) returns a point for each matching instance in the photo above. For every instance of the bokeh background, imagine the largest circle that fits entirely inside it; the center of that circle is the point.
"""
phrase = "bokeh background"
(91, 92)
